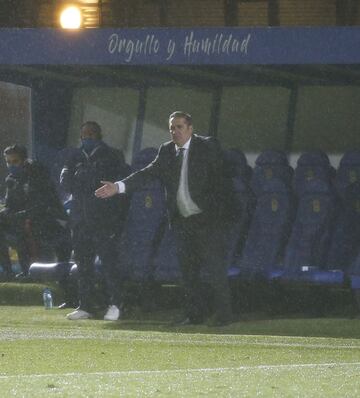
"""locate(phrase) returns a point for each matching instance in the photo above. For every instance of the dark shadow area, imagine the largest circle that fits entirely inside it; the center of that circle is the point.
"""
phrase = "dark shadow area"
(298, 325)
(258, 310)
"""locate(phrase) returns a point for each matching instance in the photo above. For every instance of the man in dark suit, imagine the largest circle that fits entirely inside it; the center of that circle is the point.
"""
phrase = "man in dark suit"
(95, 223)
(191, 169)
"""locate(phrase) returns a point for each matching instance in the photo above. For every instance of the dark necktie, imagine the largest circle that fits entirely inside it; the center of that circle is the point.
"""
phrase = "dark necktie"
(179, 161)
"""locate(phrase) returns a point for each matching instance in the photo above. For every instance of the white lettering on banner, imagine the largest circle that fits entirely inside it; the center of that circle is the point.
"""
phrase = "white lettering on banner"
(171, 49)
(149, 46)
(219, 44)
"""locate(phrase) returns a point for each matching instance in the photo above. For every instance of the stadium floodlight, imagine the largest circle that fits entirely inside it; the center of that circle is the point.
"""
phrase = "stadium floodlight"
(71, 18)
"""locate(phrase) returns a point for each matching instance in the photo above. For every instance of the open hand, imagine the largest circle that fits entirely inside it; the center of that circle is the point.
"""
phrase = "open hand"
(107, 190)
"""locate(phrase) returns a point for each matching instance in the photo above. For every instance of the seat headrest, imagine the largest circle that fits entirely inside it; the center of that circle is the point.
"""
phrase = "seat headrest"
(350, 158)
(315, 157)
(235, 157)
(143, 158)
(272, 157)
(235, 164)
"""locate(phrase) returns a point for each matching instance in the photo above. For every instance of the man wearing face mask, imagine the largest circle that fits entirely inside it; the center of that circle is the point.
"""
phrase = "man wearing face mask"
(95, 223)
(32, 213)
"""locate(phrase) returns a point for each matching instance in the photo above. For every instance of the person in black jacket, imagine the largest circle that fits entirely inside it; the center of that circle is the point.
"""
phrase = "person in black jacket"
(33, 213)
(96, 224)
(199, 202)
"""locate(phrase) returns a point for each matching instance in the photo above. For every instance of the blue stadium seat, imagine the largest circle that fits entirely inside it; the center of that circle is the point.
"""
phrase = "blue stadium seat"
(239, 173)
(57, 164)
(268, 165)
(354, 269)
(140, 237)
(236, 164)
(347, 184)
(167, 269)
(307, 250)
(143, 158)
(348, 171)
(345, 240)
(312, 165)
(355, 280)
(268, 233)
(237, 228)
(354, 273)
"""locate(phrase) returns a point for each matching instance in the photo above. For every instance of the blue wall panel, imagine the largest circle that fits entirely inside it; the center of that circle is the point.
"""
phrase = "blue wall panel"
(197, 46)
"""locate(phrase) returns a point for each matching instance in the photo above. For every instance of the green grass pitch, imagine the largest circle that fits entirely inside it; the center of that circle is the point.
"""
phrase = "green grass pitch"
(42, 354)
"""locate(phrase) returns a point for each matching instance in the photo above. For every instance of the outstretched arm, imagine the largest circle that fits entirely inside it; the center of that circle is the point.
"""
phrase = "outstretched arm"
(107, 190)
(132, 182)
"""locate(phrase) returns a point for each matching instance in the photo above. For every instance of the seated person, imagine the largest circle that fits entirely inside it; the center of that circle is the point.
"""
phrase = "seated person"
(33, 214)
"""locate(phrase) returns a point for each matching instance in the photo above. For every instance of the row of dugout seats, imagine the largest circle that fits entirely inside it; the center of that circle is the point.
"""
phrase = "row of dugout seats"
(305, 225)
(297, 225)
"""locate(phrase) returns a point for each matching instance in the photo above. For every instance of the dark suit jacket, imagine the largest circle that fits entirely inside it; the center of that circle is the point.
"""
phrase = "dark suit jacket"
(207, 183)
(82, 175)
(32, 195)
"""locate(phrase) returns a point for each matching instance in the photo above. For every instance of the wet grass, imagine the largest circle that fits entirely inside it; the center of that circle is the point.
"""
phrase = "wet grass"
(43, 354)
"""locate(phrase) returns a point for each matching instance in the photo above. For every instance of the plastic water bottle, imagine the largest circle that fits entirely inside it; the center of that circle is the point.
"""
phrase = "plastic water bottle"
(47, 298)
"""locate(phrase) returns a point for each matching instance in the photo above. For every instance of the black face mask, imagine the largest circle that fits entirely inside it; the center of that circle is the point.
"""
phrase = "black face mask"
(15, 170)
(89, 144)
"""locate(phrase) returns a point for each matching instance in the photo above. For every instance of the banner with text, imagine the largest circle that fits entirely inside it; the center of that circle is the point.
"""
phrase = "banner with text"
(197, 46)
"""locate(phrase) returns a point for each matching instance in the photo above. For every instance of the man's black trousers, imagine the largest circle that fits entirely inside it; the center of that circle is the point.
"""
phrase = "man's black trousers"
(200, 248)
(90, 242)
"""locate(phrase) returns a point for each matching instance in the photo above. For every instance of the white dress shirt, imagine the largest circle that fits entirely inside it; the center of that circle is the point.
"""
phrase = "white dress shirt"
(186, 206)
(120, 186)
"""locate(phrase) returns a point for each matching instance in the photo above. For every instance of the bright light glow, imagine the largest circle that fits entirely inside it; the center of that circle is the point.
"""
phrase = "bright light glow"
(71, 18)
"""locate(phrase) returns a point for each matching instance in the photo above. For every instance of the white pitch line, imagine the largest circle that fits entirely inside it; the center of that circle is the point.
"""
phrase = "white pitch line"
(194, 370)
(126, 340)
(242, 343)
